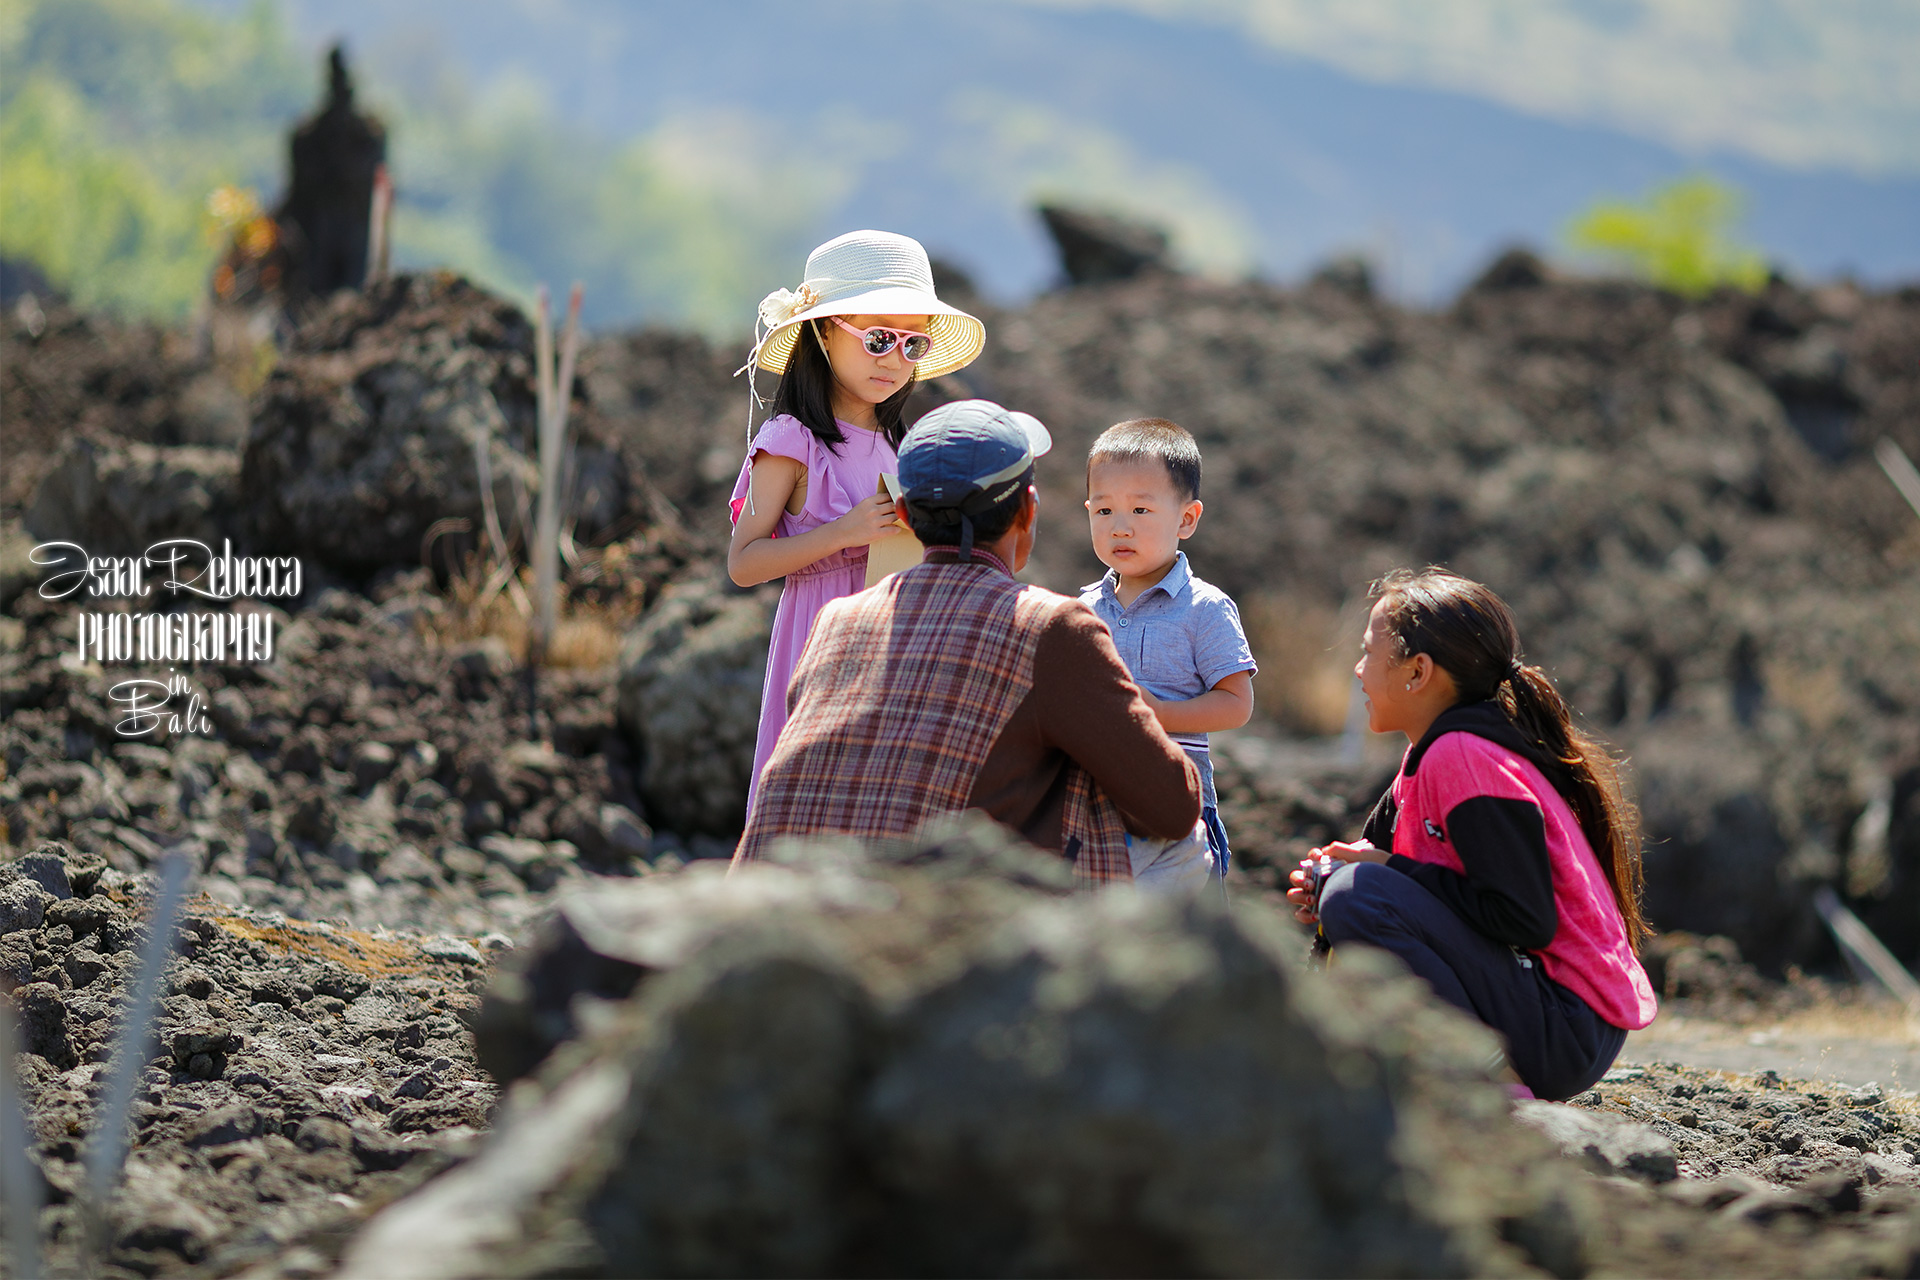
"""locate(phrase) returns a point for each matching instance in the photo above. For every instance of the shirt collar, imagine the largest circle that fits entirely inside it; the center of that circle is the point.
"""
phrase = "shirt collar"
(1178, 579)
(951, 555)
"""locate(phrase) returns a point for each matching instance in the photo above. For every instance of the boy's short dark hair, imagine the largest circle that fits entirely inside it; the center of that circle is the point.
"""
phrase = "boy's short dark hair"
(1152, 440)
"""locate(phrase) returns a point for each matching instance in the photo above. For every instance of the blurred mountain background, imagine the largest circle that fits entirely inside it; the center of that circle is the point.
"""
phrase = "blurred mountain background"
(681, 158)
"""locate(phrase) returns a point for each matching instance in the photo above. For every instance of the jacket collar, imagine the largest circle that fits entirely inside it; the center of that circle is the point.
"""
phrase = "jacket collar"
(1483, 720)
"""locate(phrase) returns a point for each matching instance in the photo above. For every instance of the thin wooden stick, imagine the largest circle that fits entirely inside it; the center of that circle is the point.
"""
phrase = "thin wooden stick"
(547, 441)
(21, 1180)
(1866, 952)
(546, 548)
(379, 226)
(569, 553)
(108, 1151)
(483, 465)
(1900, 469)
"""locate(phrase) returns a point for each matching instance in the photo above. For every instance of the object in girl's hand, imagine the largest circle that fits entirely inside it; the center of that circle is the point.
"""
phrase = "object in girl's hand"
(902, 551)
(1316, 871)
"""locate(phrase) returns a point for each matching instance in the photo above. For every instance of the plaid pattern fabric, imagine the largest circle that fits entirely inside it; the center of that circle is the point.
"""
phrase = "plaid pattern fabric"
(894, 706)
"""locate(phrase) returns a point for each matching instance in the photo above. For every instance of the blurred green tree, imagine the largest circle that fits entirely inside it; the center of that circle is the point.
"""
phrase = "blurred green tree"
(117, 118)
(1679, 237)
(120, 118)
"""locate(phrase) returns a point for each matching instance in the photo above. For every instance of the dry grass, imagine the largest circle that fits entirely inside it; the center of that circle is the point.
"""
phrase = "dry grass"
(589, 639)
(1305, 651)
(1817, 694)
(482, 602)
(1857, 1019)
(361, 952)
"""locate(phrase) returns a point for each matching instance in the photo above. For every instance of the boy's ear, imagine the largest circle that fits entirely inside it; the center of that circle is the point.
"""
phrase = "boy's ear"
(1190, 518)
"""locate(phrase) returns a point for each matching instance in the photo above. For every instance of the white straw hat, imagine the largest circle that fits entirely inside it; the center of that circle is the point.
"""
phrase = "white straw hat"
(868, 273)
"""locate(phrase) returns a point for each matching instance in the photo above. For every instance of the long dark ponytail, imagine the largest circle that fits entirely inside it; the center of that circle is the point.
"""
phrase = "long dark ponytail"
(1469, 633)
(806, 392)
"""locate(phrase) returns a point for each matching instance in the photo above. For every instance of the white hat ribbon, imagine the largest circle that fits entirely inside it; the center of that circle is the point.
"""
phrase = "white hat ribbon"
(782, 305)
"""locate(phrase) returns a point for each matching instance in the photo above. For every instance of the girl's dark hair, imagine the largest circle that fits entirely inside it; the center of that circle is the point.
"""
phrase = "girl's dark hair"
(806, 392)
(1469, 633)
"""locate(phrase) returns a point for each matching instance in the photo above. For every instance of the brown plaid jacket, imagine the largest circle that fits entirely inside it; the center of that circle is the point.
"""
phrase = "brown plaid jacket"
(894, 706)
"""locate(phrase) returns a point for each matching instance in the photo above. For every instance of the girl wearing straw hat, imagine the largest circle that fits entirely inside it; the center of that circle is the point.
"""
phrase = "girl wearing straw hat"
(848, 344)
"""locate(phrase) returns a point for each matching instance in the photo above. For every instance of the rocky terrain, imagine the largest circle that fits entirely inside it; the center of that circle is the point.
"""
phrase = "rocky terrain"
(395, 816)
(305, 1073)
(921, 1058)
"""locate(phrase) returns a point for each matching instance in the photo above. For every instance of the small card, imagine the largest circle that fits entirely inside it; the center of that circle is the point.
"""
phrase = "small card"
(902, 550)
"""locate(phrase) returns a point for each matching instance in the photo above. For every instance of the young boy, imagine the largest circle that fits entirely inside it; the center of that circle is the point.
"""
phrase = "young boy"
(1179, 636)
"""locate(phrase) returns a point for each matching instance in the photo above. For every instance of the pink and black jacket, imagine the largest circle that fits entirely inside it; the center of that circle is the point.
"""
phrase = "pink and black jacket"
(1472, 818)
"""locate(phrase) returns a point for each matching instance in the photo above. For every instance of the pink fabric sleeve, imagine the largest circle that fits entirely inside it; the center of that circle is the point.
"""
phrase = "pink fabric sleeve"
(785, 435)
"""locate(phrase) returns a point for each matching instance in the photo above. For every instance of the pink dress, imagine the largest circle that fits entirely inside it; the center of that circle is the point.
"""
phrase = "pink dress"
(836, 482)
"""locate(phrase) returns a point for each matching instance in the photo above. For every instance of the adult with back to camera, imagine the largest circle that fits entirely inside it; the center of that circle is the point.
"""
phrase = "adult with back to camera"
(952, 685)
(1503, 863)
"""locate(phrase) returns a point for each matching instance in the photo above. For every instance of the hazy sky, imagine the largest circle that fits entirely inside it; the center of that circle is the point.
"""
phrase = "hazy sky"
(1268, 135)
(1801, 83)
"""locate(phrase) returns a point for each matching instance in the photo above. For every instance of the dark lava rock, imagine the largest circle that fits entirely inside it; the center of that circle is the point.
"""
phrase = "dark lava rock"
(234, 1122)
(215, 1179)
(1097, 247)
(690, 680)
(201, 1052)
(1735, 610)
(66, 375)
(46, 868)
(928, 1057)
(1608, 1144)
(23, 905)
(43, 1024)
(123, 498)
(344, 788)
(365, 434)
(1515, 268)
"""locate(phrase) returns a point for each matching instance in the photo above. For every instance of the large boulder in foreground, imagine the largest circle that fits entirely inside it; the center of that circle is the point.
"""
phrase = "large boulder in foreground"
(928, 1057)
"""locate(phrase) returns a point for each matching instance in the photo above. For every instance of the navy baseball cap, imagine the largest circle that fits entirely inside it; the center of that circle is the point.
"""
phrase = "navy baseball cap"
(969, 455)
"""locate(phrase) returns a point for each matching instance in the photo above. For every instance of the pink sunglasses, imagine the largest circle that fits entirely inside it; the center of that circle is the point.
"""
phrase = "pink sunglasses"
(878, 341)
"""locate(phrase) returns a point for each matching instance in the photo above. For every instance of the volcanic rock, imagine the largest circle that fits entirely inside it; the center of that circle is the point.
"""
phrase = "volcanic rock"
(690, 680)
(120, 499)
(1097, 247)
(65, 374)
(819, 1054)
(927, 1056)
(23, 905)
(374, 423)
(268, 1030)
(17, 569)
(1733, 609)
(1608, 1144)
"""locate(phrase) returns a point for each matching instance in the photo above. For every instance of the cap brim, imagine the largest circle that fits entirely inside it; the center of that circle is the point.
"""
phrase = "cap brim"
(1038, 439)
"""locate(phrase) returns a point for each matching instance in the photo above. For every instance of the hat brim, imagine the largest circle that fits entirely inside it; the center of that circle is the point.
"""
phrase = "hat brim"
(957, 336)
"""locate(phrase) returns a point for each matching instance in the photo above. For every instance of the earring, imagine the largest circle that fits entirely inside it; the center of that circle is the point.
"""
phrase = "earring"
(1409, 688)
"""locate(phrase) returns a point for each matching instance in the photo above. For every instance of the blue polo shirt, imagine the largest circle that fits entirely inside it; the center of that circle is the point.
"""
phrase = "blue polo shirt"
(1179, 638)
